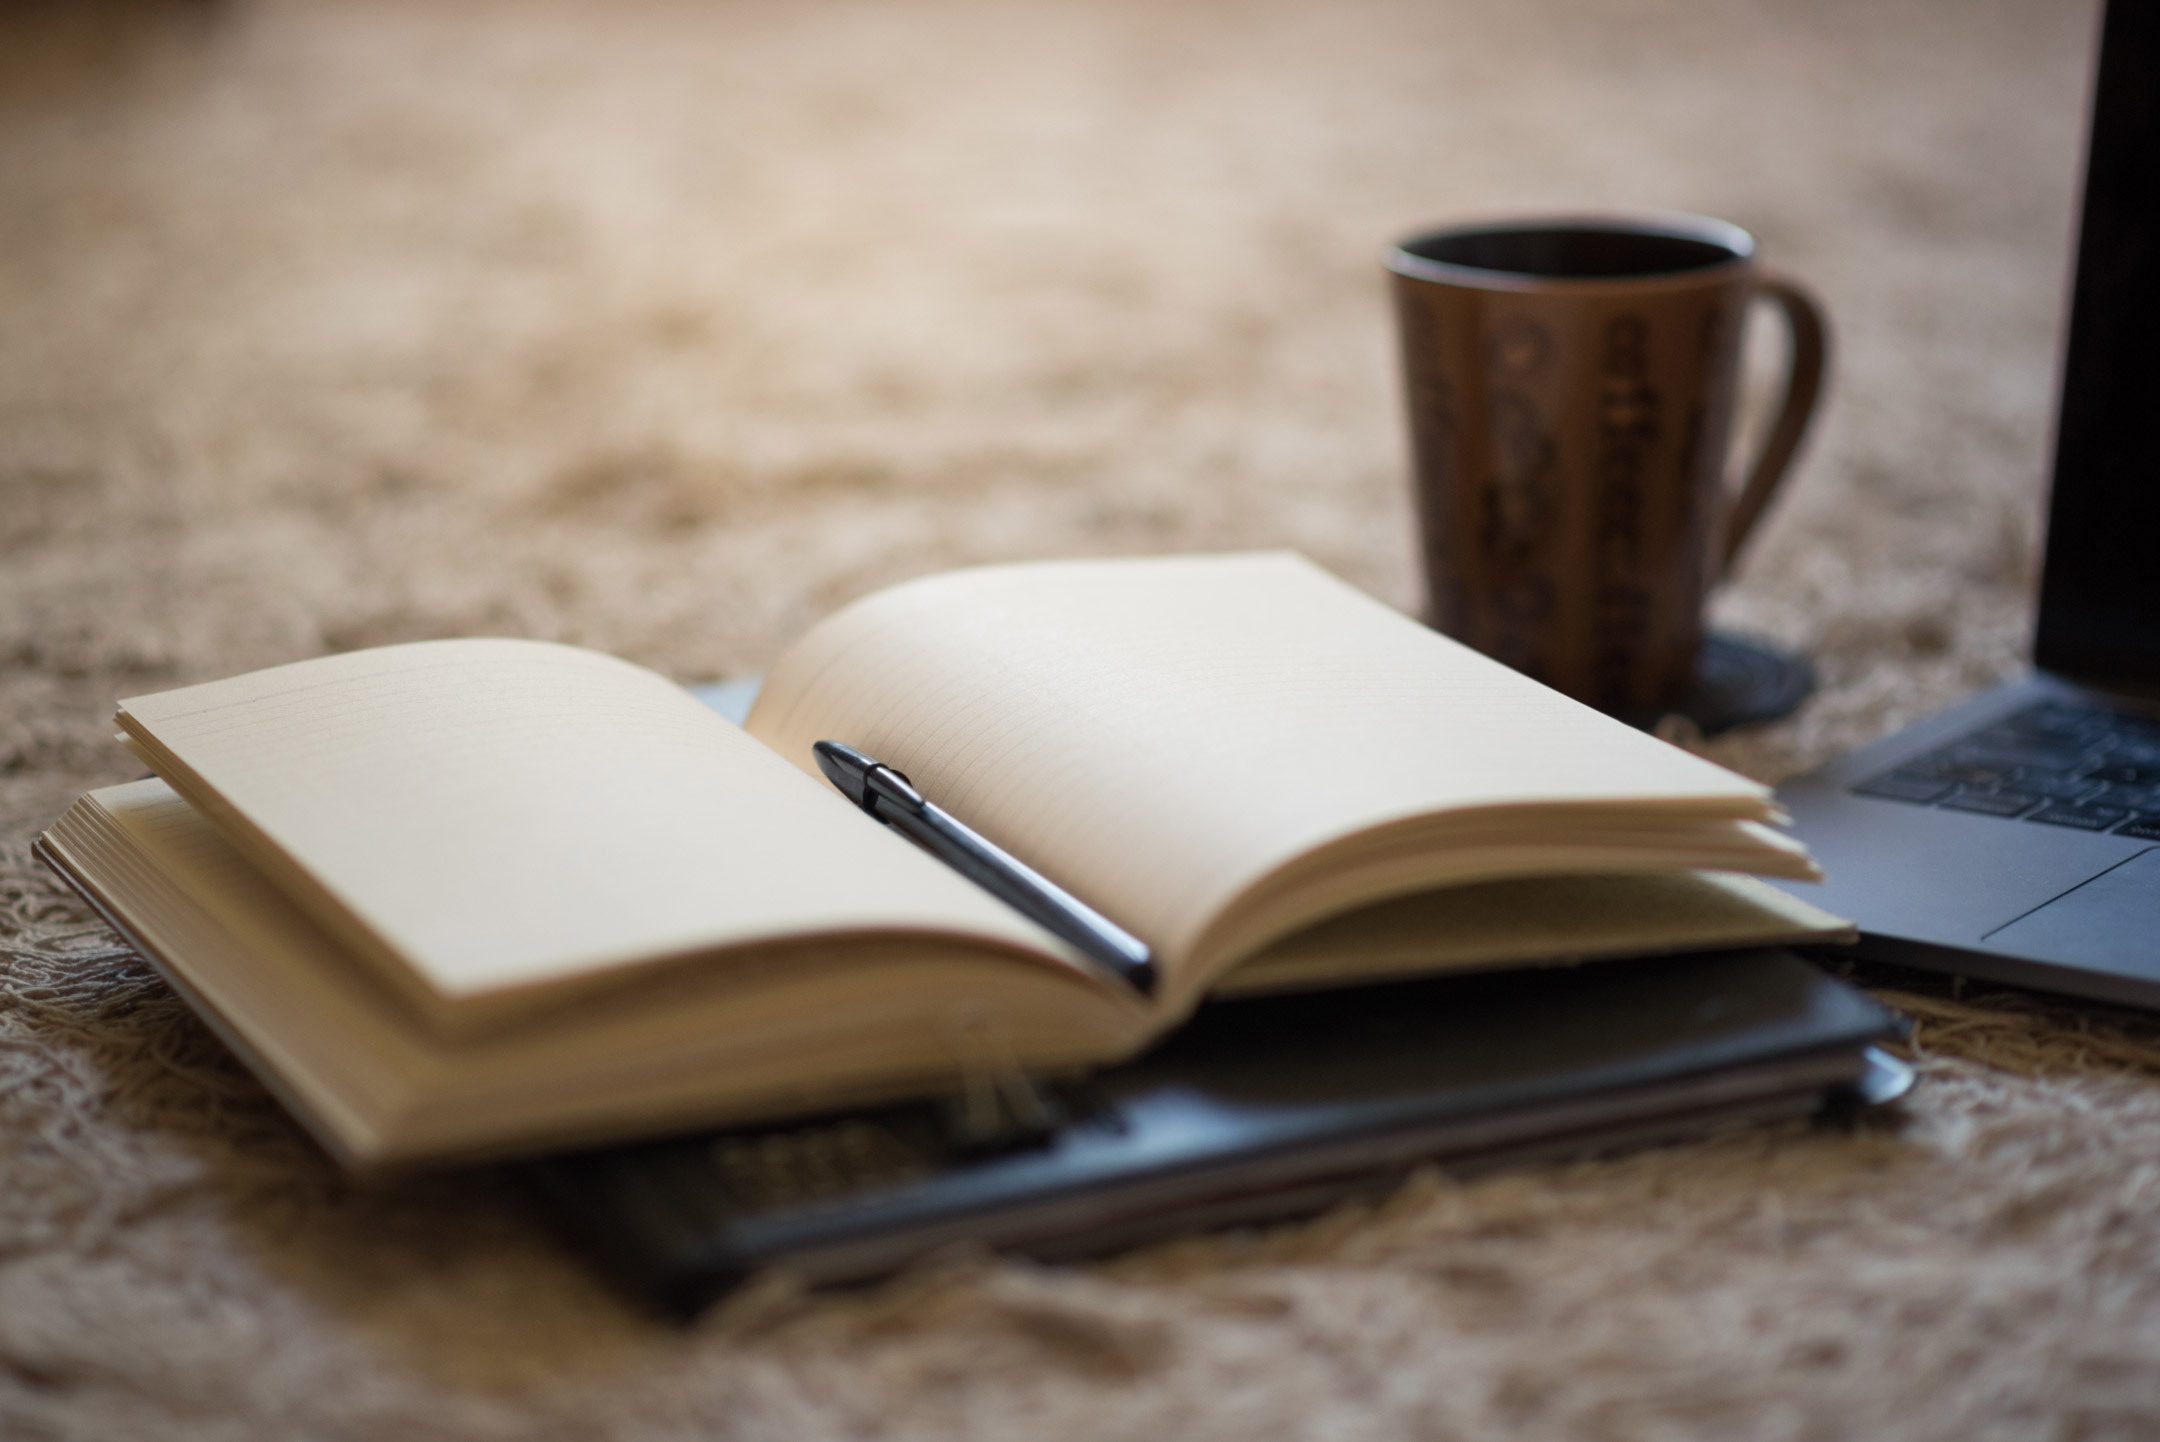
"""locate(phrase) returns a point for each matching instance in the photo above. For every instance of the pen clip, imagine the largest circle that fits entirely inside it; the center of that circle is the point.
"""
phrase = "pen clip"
(882, 784)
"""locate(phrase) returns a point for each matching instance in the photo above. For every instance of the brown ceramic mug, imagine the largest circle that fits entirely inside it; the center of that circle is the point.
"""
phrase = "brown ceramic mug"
(1570, 384)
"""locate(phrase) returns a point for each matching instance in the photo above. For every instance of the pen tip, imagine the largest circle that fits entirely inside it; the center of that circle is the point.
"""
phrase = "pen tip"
(844, 767)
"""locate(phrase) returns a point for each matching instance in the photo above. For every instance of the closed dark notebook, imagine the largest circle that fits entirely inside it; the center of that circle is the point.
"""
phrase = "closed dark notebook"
(1255, 1110)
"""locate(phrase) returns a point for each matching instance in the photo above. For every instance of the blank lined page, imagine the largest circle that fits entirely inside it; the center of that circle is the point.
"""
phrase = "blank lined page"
(1156, 734)
(502, 814)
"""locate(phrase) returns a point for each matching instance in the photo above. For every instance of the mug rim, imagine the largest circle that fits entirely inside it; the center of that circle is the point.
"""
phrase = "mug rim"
(1673, 224)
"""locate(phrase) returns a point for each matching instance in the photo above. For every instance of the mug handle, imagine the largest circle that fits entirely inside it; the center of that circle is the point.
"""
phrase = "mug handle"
(1803, 387)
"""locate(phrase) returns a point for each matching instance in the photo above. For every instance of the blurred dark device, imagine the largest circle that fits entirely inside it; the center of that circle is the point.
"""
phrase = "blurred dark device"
(1255, 1111)
(2017, 836)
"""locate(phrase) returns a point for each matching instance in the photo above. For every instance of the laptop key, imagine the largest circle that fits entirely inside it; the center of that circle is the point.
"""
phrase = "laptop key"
(2125, 774)
(1991, 803)
(2145, 826)
(2083, 817)
(2059, 788)
(1895, 787)
(2037, 758)
(1946, 769)
(2058, 721)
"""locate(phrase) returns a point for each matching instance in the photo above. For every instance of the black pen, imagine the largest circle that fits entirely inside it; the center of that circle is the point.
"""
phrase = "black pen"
(890, 797)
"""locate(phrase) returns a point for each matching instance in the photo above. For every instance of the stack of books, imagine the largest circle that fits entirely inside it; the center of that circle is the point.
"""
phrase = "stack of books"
(500, 898)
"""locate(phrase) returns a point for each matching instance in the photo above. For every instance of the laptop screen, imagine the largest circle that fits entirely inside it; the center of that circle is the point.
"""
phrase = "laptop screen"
(2100, 589)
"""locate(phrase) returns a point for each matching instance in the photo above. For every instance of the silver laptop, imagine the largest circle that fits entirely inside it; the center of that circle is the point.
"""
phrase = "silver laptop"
(2017, 836)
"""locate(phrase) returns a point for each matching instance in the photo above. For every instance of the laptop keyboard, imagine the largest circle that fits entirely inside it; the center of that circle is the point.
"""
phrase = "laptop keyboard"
(2058, 763)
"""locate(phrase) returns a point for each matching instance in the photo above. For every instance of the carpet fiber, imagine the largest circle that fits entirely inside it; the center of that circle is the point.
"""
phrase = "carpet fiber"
(667, 328)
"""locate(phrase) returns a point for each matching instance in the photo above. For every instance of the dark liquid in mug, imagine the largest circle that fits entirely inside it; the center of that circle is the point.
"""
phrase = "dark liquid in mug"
(1567, 254)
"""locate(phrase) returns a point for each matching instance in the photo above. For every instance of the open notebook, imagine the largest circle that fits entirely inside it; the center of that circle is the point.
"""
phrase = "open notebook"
(492, 895)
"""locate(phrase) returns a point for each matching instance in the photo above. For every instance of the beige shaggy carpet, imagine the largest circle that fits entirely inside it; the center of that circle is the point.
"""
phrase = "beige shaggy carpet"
(665, 328)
